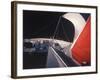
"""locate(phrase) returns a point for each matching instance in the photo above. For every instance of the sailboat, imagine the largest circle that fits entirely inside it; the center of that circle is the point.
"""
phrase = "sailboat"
(60, 46)
(65, 57)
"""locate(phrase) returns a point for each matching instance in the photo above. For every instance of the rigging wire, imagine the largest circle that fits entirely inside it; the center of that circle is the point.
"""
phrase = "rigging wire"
(57, 26)
(65, 33)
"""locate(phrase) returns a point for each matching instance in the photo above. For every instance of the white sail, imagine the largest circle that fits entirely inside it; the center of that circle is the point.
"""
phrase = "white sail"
(77, 20)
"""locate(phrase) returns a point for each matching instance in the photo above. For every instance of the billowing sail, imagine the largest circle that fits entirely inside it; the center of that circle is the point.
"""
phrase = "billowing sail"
(77, 20)
(81, 49)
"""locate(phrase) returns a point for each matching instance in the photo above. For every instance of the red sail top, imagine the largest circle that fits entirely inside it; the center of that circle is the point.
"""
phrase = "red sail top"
(82, 48)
